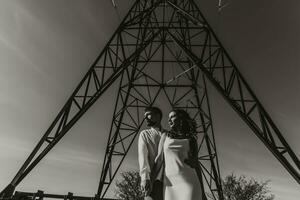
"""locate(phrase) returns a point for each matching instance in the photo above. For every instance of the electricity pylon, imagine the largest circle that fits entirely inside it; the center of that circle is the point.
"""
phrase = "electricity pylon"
(161, 48)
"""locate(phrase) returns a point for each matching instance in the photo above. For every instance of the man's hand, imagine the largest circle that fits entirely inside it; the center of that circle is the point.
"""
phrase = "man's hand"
(146, 187)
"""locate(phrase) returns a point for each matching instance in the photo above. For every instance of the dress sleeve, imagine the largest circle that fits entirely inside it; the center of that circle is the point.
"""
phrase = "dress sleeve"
(193, 148)
(143, 157)
(192, 159)
(195, 163)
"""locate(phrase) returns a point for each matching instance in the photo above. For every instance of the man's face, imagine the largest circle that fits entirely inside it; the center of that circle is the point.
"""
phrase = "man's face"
(151, 118)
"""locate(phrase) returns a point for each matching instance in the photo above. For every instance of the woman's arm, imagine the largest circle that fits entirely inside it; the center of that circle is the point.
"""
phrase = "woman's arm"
(192, 160)
(194, 148)
(195, 163)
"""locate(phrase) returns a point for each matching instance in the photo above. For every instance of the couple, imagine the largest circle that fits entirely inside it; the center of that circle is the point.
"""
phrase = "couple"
(168, 161)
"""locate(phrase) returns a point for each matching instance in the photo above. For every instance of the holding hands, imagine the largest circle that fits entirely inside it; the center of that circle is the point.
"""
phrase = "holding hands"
(146, 187)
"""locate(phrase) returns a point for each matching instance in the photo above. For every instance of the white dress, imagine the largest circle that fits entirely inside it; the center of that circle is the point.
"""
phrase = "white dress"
(180, 180)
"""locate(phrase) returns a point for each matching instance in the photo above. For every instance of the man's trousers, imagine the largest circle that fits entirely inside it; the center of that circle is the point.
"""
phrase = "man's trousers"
(157, 191)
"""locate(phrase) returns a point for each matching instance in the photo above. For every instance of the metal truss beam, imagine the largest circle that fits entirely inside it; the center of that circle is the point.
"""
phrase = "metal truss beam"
(162, 47)
(107, 67)
(186, 92)
(219, 68)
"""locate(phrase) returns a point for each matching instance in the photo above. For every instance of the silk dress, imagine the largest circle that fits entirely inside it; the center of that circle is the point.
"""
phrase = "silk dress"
(180, 180)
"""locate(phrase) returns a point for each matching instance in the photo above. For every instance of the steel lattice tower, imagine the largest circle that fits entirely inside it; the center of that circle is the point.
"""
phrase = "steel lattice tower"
(162, 49)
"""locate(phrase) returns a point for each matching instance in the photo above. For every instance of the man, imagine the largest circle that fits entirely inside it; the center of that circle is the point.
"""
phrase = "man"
(147, 151)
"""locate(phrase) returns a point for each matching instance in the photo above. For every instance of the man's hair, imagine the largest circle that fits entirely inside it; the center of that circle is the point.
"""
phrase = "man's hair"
(155, 110)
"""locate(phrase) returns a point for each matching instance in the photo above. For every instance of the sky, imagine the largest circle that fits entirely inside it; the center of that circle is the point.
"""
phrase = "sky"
(47, 46)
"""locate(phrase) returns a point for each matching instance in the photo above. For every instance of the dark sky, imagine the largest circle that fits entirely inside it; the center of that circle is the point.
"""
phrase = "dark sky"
(46, 47)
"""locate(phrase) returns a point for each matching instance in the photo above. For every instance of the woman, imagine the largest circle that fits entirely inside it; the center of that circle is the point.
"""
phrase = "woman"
(178, 151)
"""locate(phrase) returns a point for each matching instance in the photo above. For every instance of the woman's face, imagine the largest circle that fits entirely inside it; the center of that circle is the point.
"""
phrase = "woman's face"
(173, 121)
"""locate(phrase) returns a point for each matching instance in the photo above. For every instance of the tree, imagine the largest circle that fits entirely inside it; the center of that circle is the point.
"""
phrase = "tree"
(239, 188)
(128, 188)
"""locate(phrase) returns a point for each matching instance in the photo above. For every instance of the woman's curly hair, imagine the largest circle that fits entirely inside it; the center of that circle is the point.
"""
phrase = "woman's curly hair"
(188, 126)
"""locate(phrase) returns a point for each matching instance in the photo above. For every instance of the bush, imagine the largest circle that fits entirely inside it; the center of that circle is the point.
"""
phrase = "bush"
(129, 186)
(239, 188)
